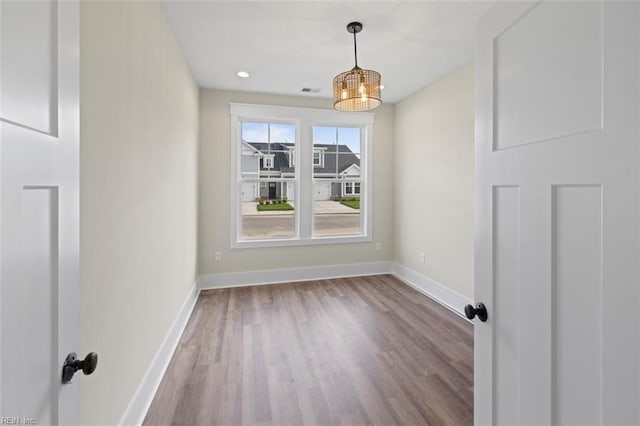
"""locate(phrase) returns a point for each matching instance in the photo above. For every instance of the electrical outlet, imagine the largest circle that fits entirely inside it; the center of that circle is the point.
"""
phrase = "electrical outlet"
(378, 246)
(421, 257)
(218, 256)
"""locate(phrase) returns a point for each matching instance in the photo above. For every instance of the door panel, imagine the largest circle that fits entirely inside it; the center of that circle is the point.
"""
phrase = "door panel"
(29, 310)
(560, 43)
(557, 123)
(577, 289)
(39, 222)
(506, 291)
(34, 64)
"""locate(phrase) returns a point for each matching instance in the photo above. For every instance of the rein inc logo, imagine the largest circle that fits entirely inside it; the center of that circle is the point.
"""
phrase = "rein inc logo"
(14, 420)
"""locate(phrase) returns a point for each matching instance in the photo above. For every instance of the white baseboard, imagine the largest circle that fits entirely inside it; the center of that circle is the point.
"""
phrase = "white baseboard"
(239, 279)
(446, 297)
(142, 398)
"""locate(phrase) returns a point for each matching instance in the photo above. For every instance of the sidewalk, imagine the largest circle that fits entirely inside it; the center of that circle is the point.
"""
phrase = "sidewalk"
(320, 207)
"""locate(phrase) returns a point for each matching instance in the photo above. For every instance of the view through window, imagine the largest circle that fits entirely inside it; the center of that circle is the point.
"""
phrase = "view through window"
(336, 210)
(298, 181)
(268, 180)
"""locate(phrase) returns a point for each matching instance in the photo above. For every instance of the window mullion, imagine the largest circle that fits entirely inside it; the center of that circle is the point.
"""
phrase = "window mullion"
(305, 179)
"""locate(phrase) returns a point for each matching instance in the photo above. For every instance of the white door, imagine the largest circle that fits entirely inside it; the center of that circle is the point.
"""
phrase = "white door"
(322, 191)
(39, 125)
(557, 137)
(249, 191)
(291, 193)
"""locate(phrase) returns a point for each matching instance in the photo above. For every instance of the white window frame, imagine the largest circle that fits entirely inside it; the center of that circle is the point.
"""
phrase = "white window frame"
(320, 162)
(291, 154)
(304, 119)
(351, 185)
(267, 161)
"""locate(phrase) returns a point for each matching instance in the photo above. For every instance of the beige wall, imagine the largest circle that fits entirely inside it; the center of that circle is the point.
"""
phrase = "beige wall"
(434, 181)
(139, 125)
(214, 193)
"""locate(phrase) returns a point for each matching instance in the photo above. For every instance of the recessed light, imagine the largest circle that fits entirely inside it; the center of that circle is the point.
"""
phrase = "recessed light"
(243, 74)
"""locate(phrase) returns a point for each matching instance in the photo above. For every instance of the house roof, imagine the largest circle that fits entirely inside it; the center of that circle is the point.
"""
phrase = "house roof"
(279, 151)
(340, 154)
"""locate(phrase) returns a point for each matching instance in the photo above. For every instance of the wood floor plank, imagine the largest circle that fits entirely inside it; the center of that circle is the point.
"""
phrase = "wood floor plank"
(348, 351)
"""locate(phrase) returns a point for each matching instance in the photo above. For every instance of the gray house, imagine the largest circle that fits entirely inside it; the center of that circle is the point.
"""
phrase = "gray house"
(332, 165)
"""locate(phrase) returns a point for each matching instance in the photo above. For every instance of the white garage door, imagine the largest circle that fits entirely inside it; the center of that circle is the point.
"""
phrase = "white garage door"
(322, 191)
(248, 191)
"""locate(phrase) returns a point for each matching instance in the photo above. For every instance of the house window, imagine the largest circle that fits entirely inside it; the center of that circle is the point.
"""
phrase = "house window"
(351, 188)
(267, 161)
(318, 158)
(292, 157)
(297, 173)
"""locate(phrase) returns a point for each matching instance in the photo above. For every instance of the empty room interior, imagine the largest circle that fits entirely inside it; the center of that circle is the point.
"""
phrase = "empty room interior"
(320, 213)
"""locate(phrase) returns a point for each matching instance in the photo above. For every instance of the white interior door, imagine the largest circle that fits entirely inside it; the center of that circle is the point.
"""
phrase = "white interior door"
(39, 125)
(557, 137)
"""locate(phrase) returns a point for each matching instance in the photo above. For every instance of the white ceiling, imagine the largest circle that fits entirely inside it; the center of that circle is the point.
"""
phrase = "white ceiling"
(288, 45)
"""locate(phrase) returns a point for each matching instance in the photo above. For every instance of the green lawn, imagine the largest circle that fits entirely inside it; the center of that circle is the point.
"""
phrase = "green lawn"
(353, 204)
(274, 207)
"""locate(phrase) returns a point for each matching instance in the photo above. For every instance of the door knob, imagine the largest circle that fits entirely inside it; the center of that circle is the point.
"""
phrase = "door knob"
(73, 364)
(480, 310)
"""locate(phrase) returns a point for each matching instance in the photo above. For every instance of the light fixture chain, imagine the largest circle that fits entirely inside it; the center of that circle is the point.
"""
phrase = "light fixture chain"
(355, 48)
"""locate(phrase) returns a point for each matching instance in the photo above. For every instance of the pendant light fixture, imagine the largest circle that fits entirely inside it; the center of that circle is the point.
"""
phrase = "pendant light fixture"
(357, 89)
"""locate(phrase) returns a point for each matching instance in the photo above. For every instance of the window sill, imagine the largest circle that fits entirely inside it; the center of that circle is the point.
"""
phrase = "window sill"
(297, 242)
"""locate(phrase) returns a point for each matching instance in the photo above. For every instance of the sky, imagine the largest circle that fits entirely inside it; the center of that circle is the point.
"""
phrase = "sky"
(258, 132)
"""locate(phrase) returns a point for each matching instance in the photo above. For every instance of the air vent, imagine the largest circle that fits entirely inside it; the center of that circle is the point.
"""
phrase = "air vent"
(310, 90)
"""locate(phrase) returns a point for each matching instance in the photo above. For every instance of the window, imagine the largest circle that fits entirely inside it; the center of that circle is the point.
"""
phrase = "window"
(351, 188)
(267, 161)
(292, 157)
(264, 164)
(341, 148)
(318, 158)
(301, 176)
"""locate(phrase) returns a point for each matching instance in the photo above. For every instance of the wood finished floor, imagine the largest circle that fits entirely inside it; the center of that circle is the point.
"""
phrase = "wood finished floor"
(350, 351)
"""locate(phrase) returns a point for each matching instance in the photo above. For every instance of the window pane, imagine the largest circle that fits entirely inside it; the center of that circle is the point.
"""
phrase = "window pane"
(268, 150)
(350, 138)
(255, 132)
(268, 209)
(336, 152)
(334, 212)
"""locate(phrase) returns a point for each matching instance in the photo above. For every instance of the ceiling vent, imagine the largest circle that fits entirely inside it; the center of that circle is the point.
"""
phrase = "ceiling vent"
(310, 90)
